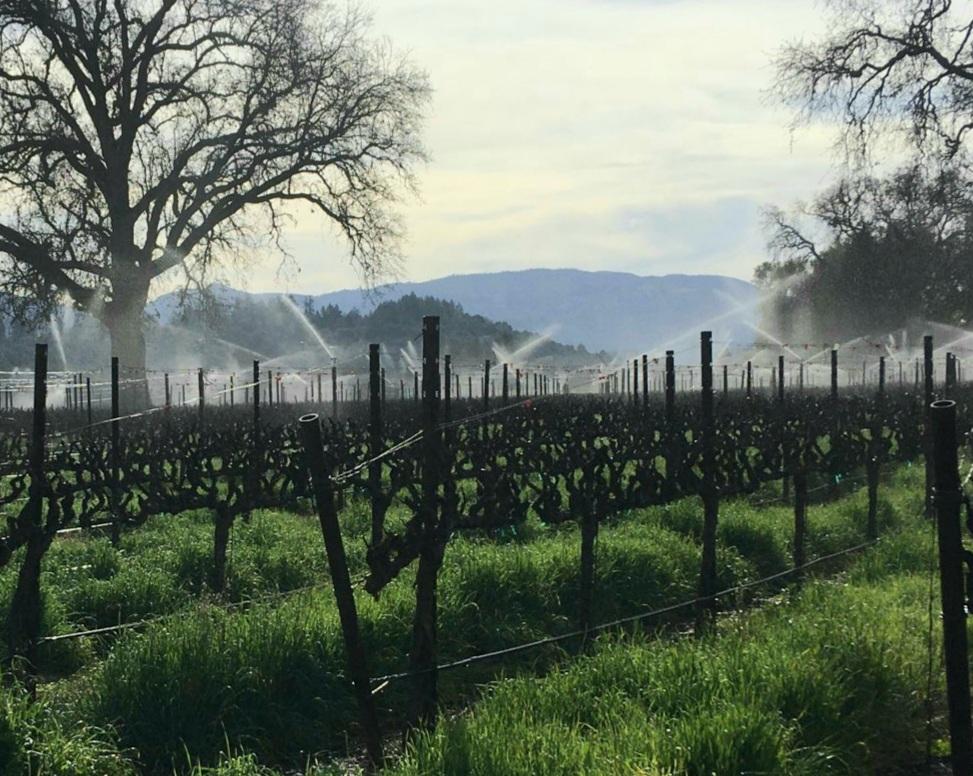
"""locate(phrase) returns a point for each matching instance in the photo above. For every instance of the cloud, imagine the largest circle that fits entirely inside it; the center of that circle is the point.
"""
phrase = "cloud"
(706, 237)
(701, 237)
(618, 134)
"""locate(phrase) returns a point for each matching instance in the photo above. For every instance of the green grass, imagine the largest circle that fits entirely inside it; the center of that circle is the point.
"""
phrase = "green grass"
(270, 679)
(36, 741)
(828, 681)
(164, 567)
(831, 683)
(266, 683)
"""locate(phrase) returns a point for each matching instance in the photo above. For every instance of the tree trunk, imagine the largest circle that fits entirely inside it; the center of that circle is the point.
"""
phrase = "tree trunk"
(124, 319)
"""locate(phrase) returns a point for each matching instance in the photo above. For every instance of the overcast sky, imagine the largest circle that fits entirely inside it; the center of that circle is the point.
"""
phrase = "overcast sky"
(631, 135)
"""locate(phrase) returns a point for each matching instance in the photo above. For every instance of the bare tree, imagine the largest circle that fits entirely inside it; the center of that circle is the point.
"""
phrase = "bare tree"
(788, 245)
(141, 136)
(904, 65)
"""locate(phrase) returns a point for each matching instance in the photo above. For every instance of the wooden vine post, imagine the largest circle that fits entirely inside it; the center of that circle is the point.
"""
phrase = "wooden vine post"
(26, 610)
(927, 386)
(486, 384)
(834, 373)
(645, 380)
(799, 467)
(334, 390)
(785, 464)
(447, 388)
(422, 661)
(324, 497)
(706, 613)
(375, 442)
(948, 499)
(670, 383)
(201, 392)
(115, 455)
(223, 517)
(255, 451)
(873, 466)
(671, 449)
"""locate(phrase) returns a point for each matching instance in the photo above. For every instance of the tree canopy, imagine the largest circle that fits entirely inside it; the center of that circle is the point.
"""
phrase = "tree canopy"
(871, 254)
(904, 66)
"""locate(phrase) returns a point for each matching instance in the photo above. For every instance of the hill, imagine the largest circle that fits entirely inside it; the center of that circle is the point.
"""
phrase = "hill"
(611, 311)
(282, 332)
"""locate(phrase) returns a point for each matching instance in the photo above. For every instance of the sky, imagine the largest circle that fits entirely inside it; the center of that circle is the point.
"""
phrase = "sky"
(627, 135)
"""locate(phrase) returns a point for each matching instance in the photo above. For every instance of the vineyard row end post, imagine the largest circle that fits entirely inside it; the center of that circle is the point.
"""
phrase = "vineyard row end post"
(948, 498)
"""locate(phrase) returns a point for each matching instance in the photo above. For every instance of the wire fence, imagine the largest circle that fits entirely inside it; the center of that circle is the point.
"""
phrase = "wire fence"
(641, 617)
(124, 626)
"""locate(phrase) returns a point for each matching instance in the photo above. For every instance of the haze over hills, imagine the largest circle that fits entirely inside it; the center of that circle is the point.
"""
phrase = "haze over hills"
(226, 329)
(612, 311)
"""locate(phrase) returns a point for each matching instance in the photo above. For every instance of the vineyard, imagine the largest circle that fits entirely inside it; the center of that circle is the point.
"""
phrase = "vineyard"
(168, 596)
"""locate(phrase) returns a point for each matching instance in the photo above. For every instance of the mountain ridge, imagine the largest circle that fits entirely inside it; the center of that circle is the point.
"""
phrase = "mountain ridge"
(600, 309)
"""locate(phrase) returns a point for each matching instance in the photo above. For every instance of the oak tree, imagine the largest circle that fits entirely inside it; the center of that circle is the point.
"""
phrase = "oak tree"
(138, 137)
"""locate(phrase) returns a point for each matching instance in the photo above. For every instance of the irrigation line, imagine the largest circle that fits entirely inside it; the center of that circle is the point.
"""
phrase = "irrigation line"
(61, 532)
(466, 661)
(80, 528)
(359, 467)
(94, 631)
(486, 414)
(816, 489)
(150, 620)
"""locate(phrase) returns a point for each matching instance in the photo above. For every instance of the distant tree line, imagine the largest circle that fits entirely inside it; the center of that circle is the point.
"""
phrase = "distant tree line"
(269, 327)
